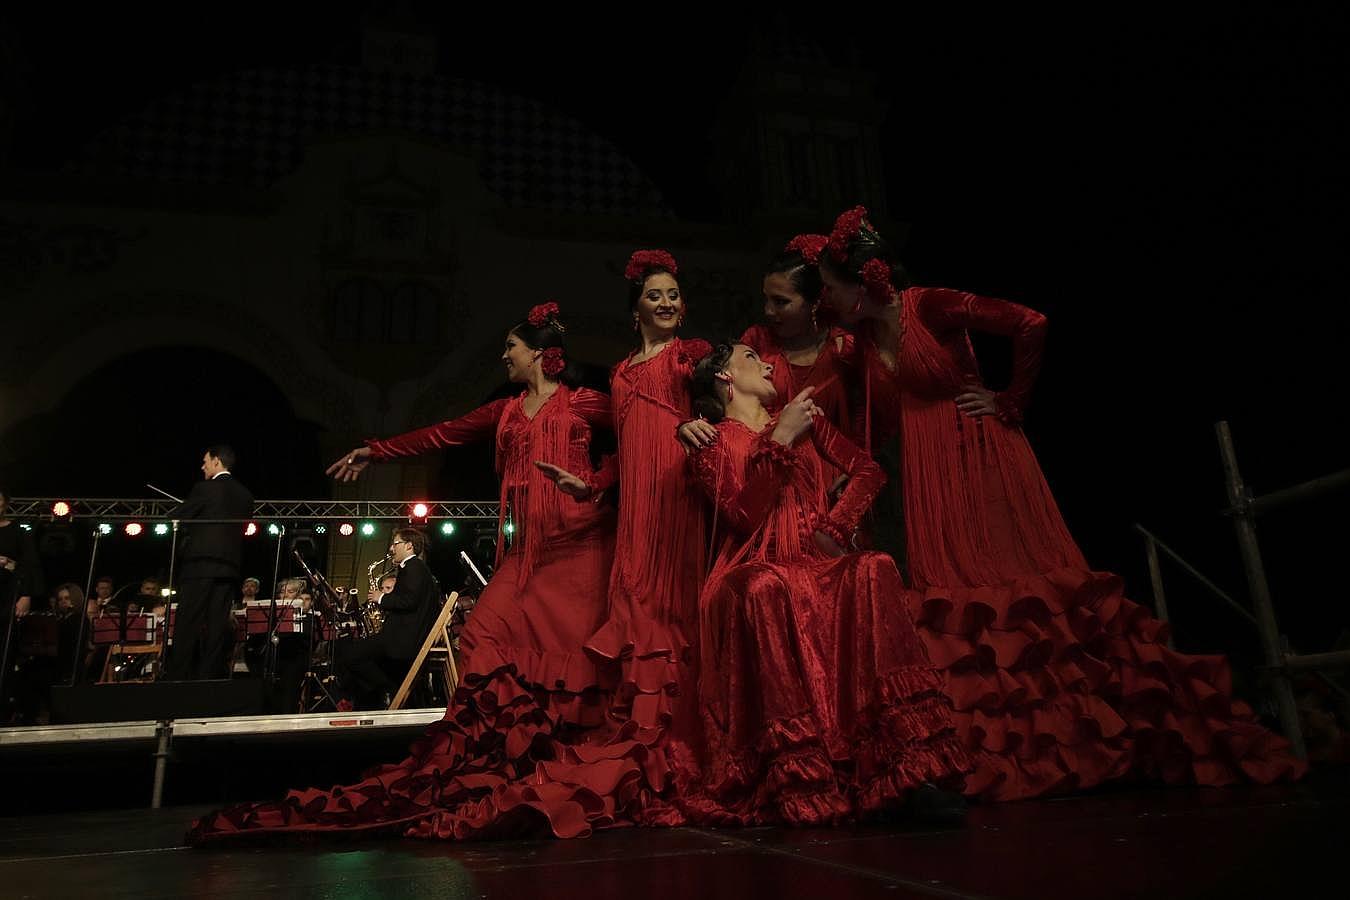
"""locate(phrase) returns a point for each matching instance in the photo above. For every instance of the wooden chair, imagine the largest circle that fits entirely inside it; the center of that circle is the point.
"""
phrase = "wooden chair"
(437, 647)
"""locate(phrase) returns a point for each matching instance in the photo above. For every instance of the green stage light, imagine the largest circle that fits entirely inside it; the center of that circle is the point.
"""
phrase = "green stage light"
(368, 528)
(162, 528)
(447, 528)
(104, 528)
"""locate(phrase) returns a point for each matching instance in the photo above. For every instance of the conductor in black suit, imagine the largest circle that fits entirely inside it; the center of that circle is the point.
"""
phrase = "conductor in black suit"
(369, 666)
(208, 576)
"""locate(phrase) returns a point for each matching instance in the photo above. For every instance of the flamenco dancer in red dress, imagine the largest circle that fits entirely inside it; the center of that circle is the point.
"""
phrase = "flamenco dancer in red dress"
(1058, 680)
(661, 545)
(499, 762)
(817, 697)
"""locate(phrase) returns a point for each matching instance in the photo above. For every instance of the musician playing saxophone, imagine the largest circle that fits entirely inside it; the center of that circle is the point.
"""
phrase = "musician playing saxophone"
(370, 668)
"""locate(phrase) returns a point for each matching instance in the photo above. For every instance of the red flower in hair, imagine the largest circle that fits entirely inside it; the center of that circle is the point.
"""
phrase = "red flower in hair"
(846, 228)
(553, 362)
(876, 276)
(642, 260)
(545, 314)
(809, 246)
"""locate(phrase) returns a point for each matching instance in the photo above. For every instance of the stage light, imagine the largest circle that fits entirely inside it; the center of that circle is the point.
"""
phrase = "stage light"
(164, 592)
(250, 529)
(418, 512)
(133, 529)
(60, 509)
(509, 528)
(104, 528)
(25, 526)
(274, 529)
(367, 528)
(447, 528)
(320, 529)
(162, 528)
(346, 529)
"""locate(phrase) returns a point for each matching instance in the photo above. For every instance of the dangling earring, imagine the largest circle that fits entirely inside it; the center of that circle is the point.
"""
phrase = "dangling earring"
(814, 326)
(679, 321)
(637, 325)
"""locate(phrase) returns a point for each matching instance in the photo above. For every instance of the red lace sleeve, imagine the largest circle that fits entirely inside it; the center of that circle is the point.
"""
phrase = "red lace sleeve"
(865, 480)
(744, 489)
(944, 310)
(475, 426)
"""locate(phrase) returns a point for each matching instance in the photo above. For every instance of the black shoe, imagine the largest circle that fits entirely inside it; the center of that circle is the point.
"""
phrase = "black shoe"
(930, 804)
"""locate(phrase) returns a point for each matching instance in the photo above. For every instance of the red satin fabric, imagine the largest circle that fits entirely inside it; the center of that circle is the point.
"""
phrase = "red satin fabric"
(661, 545)
(817, 697)
(1058, 680)
(525, 745)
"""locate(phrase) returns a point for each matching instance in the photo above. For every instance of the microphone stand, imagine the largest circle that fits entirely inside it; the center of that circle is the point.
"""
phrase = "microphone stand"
(270, 661)
(84, 613)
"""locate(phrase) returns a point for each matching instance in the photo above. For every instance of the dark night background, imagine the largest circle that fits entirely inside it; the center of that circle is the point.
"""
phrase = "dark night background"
(1172, 194)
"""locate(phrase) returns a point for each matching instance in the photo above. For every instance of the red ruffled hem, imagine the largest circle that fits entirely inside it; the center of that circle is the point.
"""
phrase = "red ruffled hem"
(1059, 682)
(502, 763)
(579, 691)
(798, 774)
(649, 657)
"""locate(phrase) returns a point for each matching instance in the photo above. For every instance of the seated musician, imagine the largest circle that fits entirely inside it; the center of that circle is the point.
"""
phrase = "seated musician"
(385, 586)
(370, 668)
(292, 650)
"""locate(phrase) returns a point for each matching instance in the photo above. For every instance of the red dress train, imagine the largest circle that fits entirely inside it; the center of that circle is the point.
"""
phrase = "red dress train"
(1058, 680)
(817, 697)
(524, 746)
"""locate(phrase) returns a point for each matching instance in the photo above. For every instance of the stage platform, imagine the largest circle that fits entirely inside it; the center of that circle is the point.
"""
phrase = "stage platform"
(195, 757)
(1277, 842)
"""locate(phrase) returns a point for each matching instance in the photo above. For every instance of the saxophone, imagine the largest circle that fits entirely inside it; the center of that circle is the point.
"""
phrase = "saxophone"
(372, 617)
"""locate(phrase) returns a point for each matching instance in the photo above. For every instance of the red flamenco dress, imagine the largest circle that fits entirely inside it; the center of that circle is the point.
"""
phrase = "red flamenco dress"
(661, 550)
(509, 757)
(1058, 681)
(818, 700)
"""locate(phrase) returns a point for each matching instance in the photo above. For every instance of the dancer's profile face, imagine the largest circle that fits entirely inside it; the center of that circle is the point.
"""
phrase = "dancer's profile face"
(661, 305)
(786, 311)
(750, 374)
(841, 296)
(519, 358)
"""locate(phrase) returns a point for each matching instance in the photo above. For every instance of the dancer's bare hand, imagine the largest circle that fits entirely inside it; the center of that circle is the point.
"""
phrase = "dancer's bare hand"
(697, 434)
(567, 482)
(796, 417)
(351, 465)
(977, 401)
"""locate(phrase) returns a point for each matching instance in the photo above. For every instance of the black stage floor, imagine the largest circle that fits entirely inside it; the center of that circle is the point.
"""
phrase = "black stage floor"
(1279, 842)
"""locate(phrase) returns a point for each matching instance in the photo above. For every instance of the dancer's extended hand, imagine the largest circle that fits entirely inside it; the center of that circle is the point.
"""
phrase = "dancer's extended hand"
(567, 482)
(351, 465)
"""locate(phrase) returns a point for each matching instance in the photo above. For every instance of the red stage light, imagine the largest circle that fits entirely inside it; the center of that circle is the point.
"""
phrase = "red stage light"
(346, 529)
(60, 509)
(250, 529)
(420, 510)
(133, 529)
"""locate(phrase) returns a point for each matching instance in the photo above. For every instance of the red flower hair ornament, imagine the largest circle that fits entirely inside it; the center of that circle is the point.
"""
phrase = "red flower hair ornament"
(853, 229)
(546, 314)
(553, 362)
(644, 260)
(808, 246)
